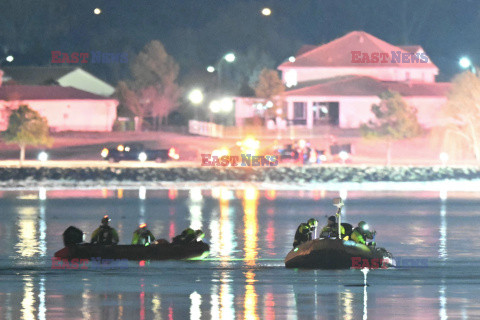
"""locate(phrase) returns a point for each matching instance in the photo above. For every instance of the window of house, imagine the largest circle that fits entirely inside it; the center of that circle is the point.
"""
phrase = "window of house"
(320, 110)
(299, 110)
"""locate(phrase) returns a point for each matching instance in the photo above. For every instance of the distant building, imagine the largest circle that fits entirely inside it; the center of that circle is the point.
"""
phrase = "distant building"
(337, 83)
(65, 108)
(64, 76)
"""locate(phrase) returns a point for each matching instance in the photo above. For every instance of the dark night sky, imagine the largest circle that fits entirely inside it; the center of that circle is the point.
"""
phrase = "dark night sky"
(197, 33)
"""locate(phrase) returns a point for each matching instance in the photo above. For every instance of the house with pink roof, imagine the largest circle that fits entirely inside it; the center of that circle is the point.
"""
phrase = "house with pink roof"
(336, 83)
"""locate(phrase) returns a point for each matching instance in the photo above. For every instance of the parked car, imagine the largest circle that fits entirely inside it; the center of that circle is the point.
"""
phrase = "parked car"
(138, 152)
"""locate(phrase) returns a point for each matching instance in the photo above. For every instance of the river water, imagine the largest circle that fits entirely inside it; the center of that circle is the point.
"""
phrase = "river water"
(435, 237)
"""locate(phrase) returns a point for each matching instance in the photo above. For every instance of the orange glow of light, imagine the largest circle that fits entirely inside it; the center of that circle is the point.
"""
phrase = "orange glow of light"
(270, 236)
(143, 225)
(120, 193)
(172, 153)
(269, 306)
(318, 194)
(172, 194)
(141, 263)
(270, 194)
(171, 232)
(251, 297)
(120, 148)
(251, 225)
(104, 193)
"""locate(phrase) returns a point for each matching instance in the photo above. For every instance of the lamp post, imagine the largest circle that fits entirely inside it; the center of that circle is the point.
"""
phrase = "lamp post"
(229, 58)
(466, 63)
(8, 58)
(196, 98)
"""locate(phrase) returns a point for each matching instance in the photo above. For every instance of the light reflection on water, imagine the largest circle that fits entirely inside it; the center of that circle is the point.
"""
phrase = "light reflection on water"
(250, 232)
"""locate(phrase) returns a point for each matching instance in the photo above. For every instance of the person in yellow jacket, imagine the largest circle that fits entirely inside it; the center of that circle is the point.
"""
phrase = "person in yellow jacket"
(331, 229)
(104, 234)
(361, 233)
(143, 236)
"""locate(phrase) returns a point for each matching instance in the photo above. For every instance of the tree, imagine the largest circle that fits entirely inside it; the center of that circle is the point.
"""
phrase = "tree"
(27, 127)
(463, 112)
(270, 88)
(154, 80)
(395, 120)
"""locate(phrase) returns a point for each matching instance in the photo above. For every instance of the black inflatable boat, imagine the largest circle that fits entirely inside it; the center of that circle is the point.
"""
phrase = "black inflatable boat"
(331, 253)
(75, 249)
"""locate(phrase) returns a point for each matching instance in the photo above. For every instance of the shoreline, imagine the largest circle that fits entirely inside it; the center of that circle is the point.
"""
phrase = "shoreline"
(280, 178)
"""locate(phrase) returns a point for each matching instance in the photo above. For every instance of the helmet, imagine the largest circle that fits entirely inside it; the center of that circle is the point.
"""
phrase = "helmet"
(363, 225)
(312, 222)
(105, 219)
(332, 218)
(142, 225)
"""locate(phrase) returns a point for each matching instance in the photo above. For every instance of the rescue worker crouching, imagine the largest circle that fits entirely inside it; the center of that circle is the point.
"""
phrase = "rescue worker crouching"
(143, 236)
(188, 236)
(361, 233)
(331, 229)
(305, 232)
(104, 234)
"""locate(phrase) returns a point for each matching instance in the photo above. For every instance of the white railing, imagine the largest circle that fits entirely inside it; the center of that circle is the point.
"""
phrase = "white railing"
(208, 129)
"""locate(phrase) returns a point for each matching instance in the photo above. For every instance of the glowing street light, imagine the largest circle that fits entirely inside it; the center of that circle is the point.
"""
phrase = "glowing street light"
(291, 59)
(215, 106)
(211, 69)
(226, 105)
(97, 11)
(229, 57)
(195, 96)
(266, 11)
(9, 58)
(465, 62)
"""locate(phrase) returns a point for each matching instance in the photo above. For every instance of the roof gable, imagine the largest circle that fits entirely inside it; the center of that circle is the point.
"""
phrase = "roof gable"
(338, 53)
(19, 92)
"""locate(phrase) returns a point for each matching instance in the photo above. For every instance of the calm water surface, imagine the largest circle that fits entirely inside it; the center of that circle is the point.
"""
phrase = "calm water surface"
(250, 232)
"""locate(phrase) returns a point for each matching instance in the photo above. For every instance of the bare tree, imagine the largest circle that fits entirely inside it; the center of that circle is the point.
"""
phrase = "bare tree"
(463, 112)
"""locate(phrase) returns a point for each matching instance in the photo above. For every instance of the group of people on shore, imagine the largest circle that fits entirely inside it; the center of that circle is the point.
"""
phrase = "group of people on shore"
(307, 231)
(106, 235)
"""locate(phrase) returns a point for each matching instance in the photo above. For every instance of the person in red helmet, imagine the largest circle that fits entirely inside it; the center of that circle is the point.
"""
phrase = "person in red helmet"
(104, 234)
(143, 236)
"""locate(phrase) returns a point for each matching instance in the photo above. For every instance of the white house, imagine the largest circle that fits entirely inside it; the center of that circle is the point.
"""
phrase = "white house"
(65, 108)
(337, 83)
(64, 76)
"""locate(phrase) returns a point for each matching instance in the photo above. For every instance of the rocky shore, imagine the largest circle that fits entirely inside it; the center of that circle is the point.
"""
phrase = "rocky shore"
(51, 176)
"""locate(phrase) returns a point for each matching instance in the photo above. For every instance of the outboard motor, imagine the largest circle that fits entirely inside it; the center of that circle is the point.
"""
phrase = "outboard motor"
(72, 236)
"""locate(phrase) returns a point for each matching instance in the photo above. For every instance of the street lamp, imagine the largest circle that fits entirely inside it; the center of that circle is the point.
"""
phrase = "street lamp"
(97, 11)
(195, 96)
(266, 11)
(229, 57)
(466, 63)
(8, 58)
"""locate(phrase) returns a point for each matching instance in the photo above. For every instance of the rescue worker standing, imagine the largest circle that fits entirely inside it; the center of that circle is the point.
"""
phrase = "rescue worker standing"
(104, 234)
(142, 235)
(361, 233)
